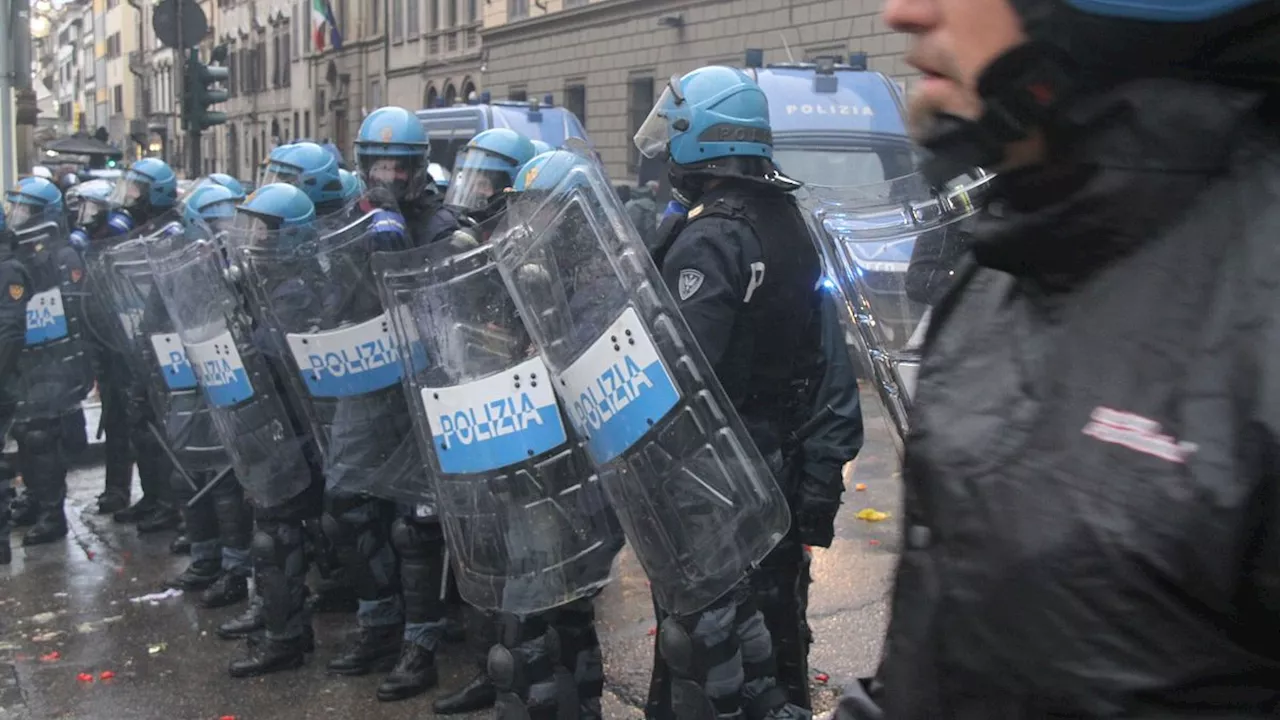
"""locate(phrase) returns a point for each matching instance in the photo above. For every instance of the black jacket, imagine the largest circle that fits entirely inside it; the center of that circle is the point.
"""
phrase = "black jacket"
(1092, 505)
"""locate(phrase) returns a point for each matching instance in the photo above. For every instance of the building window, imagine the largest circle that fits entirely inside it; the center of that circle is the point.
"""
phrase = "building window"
(519, 95)
(395, 20)
(297, 126)
(473, 10)
(113, 45)
(450, 13)
(375, 94)
(639, 104)
(374, 12)
(117, 99)
(575, 100)
(261, 53)
(517, 9)
(286, 62)
(232, 87)
(433, 14)
(414, 20)
(306, 123)
(111, 4)
(275, 61)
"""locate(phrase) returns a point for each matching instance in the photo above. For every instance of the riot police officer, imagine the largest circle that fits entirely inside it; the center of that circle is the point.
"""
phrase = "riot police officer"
(485, 170)
(356, 526)
(746, 279)
(15, 285)
(393, 154)
(280, 562)
(218, 528)
(311, 169)
(147, 190)
(55, 370)
(89, 229)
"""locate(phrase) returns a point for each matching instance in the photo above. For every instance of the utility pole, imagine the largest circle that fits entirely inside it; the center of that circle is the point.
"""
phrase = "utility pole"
(8, 119)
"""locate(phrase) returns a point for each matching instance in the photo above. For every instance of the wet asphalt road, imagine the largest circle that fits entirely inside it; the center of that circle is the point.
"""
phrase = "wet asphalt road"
(65, 610)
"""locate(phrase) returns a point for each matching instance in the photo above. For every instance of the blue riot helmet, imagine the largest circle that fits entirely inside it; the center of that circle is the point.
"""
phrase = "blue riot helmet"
(486, 166)
(712, 122)
(33, 201)
(279, 210)
(391, 152)
(228, 182)
(352, 185)
(91, 203)
(547, 170)
(209, 210)
(146, 188)
(311, 168)
(540, 147)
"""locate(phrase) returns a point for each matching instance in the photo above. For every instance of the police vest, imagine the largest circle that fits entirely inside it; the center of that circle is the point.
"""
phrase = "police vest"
(769, 366)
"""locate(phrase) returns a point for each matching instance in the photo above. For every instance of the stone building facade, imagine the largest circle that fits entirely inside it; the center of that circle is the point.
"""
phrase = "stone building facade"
(608, 60)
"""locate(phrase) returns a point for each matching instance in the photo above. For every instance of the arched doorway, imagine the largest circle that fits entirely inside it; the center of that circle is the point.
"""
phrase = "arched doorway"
(468, 87)
(429, 101)
(450, 94)
(233, 153)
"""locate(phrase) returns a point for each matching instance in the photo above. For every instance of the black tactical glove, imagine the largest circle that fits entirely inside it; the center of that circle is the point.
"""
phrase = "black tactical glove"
(815, 519)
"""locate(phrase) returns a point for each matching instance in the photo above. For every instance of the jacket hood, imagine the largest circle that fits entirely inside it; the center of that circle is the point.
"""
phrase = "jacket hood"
(1134, 157)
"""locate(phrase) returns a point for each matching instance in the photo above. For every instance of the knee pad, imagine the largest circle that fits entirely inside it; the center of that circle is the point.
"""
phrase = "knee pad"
(263, 548)
(679, 649)
(414, 538)
(335, 531)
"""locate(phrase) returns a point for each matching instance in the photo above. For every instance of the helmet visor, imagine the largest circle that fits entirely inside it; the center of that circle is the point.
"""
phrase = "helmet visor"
(131, 191)
(277, 172)
(654, 136)
(478, 176)
(403, 175)
(92, 212)
(255, 230)
(21, 214)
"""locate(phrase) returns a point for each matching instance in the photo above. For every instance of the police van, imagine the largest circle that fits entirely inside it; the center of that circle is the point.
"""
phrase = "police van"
(450, 127)
(839, 124)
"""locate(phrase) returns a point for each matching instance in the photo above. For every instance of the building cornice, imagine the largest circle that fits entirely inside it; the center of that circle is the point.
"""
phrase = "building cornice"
(607, 12)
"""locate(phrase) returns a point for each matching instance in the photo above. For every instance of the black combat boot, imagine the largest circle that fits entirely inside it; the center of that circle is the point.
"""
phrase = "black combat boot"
(376, 649)
(199, 575)
(111, 502)
(267, 656)
(475, 695)
(162, 517)
(136, 511)
(228, 589)
(245, 624)
(414, 674)
(51, 525)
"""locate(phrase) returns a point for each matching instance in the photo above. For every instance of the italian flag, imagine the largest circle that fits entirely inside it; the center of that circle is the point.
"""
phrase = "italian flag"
(322, 16)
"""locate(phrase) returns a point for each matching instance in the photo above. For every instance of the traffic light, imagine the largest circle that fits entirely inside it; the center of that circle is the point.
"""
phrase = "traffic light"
(199, 93)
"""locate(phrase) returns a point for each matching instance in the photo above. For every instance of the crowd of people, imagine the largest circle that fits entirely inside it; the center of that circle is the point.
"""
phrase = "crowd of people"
(194, 314)
(1090, 510)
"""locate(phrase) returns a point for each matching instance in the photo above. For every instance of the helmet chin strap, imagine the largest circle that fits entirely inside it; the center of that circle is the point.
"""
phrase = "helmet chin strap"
(1022, 90)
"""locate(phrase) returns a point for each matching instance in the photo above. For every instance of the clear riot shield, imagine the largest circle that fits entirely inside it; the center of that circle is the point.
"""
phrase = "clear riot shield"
(55, 366)
(697, 501)
(317, 297)
(524, 513)
(890, 250)
(151, 346)
(250, 414)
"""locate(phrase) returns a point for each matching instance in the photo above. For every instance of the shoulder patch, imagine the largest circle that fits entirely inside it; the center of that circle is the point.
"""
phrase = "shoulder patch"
(690, 282)
(16, 291)
(696, 211)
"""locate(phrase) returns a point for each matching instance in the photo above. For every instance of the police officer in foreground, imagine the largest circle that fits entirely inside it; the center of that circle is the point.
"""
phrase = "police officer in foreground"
(148, 190)
(15, 284)
(54, 366)
(1091, 513)
(313, 170)
(393, 154)
(746, 279)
